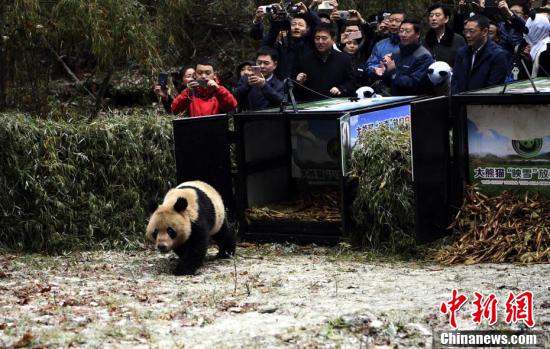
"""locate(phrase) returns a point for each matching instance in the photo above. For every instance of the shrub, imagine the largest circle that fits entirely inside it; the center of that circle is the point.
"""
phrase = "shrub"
(75, 184)
(383, 208)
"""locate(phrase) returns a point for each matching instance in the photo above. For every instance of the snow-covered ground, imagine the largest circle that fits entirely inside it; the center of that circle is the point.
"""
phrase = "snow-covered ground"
(281, 296)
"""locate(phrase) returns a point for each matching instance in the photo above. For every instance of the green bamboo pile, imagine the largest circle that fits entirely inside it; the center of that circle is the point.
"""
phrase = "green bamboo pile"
(383, 208)
(503, 228)
(77, 184)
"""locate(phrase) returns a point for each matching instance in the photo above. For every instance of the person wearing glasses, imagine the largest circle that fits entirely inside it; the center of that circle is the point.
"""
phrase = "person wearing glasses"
(405, 70)
(482, 63)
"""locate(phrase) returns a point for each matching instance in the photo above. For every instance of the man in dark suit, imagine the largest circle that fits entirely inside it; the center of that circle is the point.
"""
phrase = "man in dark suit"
(324, 72)
(482, 63)
(260, 89)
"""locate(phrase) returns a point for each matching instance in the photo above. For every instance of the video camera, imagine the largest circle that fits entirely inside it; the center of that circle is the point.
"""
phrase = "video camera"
(284, 10)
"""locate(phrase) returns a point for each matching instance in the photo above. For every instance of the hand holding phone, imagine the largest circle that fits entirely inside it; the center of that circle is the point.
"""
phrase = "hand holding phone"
(354, 35)
(256, 70)
(202, 83)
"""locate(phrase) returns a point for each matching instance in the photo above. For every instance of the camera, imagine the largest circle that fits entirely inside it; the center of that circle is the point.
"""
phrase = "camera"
(325, 6)
(267, 8)
(343, 14)
(202, 83)
(284, 10)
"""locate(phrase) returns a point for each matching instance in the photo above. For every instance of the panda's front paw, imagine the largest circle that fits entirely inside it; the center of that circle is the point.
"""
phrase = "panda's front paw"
(184, 271)
(223, 255)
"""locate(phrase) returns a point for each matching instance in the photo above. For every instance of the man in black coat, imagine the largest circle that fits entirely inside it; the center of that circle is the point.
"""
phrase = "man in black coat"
(298, 39)
(482, 63)
(442, 42)
(264, 90)
(326, 71)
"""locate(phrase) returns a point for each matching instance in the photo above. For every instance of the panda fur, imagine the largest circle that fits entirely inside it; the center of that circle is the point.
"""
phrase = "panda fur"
(189, 216)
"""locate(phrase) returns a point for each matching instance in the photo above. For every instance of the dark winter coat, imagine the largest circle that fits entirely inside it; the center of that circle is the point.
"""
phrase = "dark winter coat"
(290, 49)
(446, 49)
(411, 68)
(324, 74)
(511, 32)
(490, 68)
(254, 98)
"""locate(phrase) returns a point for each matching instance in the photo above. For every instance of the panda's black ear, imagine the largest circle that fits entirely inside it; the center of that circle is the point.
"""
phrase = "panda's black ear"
(152, 206)
(180, 205)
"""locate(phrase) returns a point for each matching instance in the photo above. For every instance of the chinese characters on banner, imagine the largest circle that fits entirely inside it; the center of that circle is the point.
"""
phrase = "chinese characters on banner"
(517, 308)
(509, 148)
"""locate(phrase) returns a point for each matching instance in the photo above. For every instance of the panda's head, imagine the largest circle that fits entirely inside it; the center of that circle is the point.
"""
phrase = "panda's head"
(439, 72)
(170, 225)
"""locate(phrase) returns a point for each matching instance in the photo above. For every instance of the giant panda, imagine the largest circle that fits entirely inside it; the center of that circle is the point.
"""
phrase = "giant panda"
(190, 214)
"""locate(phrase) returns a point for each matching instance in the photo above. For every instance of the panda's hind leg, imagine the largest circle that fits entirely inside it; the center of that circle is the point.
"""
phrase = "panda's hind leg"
(226, 240)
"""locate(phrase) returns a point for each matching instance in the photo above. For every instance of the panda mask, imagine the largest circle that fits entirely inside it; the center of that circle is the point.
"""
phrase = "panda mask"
(439, 72)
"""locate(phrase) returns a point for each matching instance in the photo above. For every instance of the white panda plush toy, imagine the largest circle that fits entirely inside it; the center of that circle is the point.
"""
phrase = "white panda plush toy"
(365, 92)
(440, 74)
(190, 214)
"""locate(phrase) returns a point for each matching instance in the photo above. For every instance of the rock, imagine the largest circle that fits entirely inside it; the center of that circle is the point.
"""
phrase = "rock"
(267, 310)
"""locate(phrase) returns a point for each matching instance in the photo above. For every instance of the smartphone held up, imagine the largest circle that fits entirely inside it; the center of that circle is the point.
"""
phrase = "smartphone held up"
(163, 80)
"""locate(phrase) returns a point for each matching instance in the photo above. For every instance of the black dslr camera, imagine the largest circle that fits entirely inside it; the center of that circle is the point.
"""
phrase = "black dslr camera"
(284, 10)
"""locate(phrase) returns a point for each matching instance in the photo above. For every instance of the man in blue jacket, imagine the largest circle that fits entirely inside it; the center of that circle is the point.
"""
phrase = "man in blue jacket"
(264, 90)
(482, 63)
(387, 45)
(406, 69)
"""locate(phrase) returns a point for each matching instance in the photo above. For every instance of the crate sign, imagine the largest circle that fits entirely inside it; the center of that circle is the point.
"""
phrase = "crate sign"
(352, 126)
(509, 147)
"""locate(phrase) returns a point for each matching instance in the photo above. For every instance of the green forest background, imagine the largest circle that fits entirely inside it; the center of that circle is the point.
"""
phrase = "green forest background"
(82, 146)
(53, 51)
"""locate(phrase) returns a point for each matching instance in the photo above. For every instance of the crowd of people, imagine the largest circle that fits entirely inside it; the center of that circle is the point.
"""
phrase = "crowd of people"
(321, 51)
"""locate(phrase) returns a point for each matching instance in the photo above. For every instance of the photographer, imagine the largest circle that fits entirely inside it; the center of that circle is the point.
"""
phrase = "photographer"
(161, 90)
(298, 22)
(260, 89)
(513, 26)
(203, 95)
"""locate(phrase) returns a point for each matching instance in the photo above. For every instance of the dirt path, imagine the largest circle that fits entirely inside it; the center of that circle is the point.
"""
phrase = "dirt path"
(282, 296)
